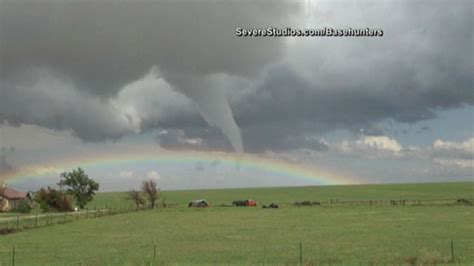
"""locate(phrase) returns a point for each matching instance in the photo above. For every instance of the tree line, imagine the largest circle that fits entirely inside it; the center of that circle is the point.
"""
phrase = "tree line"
(77, 189)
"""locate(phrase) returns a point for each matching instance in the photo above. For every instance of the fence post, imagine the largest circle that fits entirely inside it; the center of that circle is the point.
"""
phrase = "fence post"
(13, 257)
(36, 220)
(154, 252)
(301, 253)
(65, 216)
(264, 255)
(17, 221)
(452, 250)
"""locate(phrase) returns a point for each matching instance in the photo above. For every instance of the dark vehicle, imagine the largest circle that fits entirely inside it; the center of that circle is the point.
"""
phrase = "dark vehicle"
(244, 203)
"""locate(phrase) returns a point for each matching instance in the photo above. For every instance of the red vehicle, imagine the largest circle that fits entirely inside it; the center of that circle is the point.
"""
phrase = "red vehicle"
(246, 203)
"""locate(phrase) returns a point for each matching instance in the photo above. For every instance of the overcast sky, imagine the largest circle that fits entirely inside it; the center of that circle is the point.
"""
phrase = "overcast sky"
(85, 77)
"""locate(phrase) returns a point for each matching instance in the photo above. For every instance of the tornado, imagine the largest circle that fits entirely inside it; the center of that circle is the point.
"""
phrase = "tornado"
(211, 103)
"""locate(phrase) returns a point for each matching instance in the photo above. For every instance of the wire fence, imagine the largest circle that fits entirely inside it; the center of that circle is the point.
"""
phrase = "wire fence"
(11, 224)
(401, 202)
(297, 254)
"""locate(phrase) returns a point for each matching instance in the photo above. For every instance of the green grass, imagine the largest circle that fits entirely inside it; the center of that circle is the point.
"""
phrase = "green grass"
(289, 195)
(220, 235)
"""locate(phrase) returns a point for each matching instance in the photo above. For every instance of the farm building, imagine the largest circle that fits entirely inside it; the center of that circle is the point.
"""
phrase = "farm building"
(11, 198)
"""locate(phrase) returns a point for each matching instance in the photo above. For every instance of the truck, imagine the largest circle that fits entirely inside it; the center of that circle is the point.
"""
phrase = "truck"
(244, 203)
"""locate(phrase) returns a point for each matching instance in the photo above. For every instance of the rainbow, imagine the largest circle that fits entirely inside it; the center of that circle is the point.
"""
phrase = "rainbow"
(182, 157)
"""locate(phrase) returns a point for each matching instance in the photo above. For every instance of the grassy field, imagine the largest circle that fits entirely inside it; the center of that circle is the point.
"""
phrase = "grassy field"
(222, 235)
(289, 195)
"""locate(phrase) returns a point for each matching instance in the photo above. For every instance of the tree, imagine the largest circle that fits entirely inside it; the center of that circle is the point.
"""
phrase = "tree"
(136, 197)
(79, 185)
(52, 199)
(151, 191)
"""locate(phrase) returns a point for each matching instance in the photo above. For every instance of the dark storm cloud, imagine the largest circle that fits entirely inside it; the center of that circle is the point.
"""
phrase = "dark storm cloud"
(45, 99)
(101, 45)
(289, 101)
(422, 64)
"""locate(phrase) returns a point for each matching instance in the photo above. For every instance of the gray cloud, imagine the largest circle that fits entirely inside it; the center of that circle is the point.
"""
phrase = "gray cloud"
(423, 64)
(454, 150)
(103, 45)
(177, 139)
(49, 100)
(197, 138)
(5, 165)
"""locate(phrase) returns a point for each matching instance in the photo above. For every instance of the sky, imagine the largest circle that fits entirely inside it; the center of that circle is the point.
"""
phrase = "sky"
(166, 90)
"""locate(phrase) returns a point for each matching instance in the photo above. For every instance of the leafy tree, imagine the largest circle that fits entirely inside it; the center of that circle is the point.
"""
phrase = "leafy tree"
(151, 191)
(79, 185)
(52, 199)
(136, 197)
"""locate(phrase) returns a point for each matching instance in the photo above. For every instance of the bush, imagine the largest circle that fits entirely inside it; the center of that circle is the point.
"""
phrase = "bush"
(23, 206)
(307, 203)
(51, 199)
(463, 202)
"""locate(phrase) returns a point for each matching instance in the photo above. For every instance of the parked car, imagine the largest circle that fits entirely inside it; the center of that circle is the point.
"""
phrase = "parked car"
(244, 203)
(198, 203)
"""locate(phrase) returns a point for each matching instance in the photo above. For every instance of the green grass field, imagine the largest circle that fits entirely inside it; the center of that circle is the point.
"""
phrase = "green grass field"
(289, 195)
(330, 234)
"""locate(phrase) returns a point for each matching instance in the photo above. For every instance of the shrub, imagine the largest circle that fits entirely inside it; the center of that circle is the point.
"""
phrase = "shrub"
(23, 206)
(307, 203)
(136, 197)
(51, 199)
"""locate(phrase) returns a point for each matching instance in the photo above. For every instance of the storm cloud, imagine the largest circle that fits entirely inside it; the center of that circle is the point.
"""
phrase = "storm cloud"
(107, 69)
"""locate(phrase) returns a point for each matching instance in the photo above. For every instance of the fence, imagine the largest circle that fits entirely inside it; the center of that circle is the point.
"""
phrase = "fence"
(10, 224)
(150, 257)
(400, 202)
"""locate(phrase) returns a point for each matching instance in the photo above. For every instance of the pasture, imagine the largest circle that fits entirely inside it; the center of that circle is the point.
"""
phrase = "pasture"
(329, 234)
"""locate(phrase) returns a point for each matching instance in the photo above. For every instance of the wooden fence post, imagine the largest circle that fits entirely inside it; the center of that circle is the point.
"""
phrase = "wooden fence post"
(17, 221)
(301, 253)
(13, 256)
(36, 220)
(452, 250)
